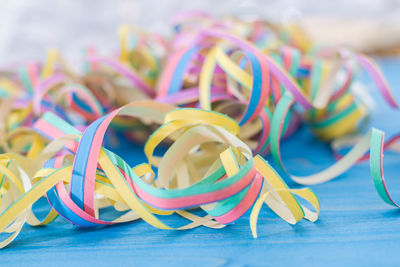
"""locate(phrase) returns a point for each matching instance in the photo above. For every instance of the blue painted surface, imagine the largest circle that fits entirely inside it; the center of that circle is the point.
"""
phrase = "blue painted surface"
(355, 227)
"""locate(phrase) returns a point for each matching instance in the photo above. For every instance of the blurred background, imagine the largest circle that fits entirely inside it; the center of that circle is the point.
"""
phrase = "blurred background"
(28, 28)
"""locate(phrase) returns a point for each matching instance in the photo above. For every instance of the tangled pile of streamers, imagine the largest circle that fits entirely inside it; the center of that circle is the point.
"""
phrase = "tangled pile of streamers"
(217, 96)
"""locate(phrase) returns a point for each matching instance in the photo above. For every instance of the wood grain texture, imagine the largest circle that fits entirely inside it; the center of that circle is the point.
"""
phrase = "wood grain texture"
(355, 227)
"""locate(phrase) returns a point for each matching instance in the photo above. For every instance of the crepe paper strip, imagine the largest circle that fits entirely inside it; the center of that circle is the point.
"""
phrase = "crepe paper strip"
(142, 40)
(172, 76)
(205, 82)
(345, 118)
(377, 77)
(354, 155)
(49, 66)
(88, 107)
(8, 88)
(129, 74)
(123, 32)
(188, 202)
(376, 165)
(280, 200)
(43, 88)
(326, 175)
(259, 87)
(191, 95)
(323, 97)
(275, 69)
(22, 186)
(82, 100)
(375, 156)
(113, 166)
(346, 84)
(291, 60)
(265, 118)
(345, 142)
(26, 75)
(266, 86)
(195, 115)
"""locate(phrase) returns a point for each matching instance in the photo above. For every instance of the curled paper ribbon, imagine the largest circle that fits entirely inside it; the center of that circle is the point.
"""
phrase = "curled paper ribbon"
(223, 178)
(216, 97)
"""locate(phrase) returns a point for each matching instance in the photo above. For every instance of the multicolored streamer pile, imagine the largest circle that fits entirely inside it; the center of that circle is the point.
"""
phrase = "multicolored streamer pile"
(214, 98)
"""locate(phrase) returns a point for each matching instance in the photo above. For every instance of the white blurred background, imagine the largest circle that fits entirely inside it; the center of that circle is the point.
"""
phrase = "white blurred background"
(27, 28)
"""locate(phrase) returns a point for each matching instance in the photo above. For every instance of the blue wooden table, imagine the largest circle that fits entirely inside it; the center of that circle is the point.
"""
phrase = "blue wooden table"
(355, 226)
